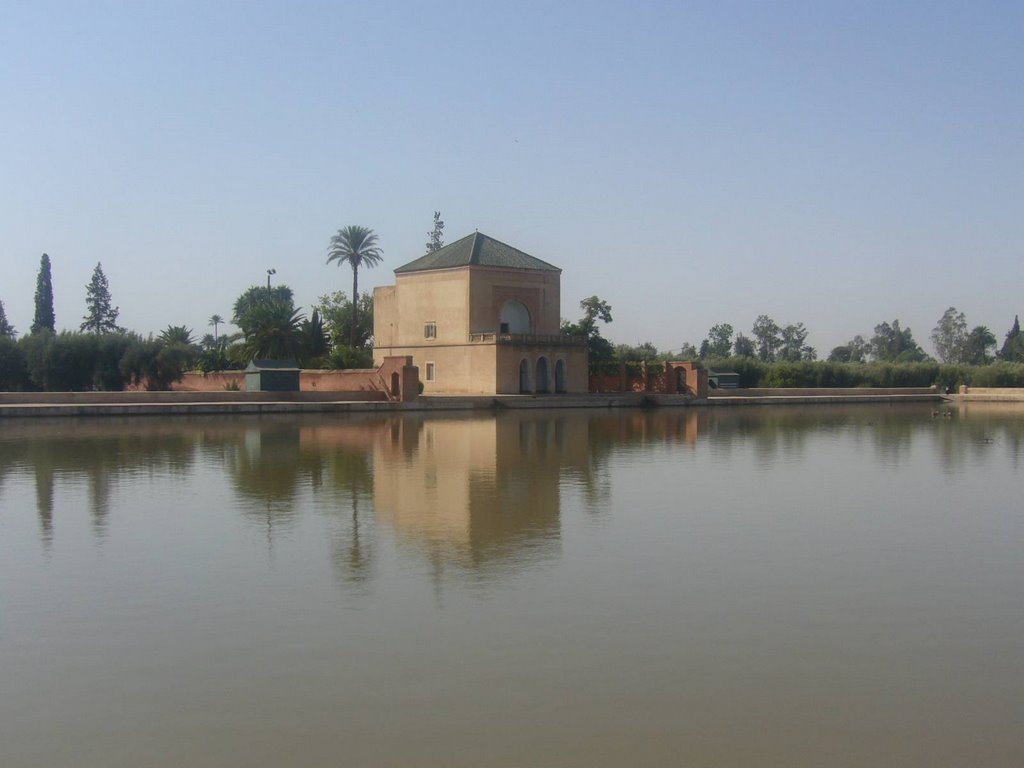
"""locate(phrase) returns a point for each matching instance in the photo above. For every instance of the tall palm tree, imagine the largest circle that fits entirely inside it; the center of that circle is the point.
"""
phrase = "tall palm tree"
(215, 320)
(356, 246)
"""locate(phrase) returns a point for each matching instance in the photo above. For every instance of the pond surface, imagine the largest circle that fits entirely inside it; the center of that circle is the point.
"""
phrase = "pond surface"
(813, 586)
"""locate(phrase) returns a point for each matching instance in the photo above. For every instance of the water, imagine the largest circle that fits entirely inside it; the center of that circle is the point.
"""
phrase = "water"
(763, 586)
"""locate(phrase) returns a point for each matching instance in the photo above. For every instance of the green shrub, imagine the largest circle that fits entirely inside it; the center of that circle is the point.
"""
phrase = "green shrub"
(154, 364)
(13, 372)
(68, 363)
(754, 373)
(343, 357)
(110, 348)
(783, 375)
(1001, 374)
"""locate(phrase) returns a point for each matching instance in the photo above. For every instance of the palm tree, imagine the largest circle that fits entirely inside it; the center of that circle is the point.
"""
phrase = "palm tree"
(177, 334)
(274, 332)
(215, 320)
(358, 247)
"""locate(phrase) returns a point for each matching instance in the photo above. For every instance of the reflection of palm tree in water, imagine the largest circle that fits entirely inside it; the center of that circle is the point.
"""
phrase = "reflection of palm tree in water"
(44, 502)
(99, 500)
(352, 557)
(353, 552)
(272, 465)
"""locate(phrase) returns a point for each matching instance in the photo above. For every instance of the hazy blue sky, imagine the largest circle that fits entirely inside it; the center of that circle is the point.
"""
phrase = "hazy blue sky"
(838, 164)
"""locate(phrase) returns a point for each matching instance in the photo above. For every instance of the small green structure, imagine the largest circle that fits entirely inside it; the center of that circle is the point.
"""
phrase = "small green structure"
(272, 376)
(723, 379)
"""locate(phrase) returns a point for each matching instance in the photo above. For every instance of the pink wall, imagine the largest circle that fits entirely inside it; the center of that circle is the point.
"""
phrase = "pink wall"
(371, 383)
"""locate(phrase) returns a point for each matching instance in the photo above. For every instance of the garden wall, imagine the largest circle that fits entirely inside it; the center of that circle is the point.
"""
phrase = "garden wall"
(395, 379)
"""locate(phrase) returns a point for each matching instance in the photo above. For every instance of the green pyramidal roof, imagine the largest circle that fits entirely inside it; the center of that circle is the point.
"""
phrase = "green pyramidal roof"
(476, 250)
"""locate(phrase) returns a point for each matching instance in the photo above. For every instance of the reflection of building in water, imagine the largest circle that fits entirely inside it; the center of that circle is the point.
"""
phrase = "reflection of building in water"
(475, 490)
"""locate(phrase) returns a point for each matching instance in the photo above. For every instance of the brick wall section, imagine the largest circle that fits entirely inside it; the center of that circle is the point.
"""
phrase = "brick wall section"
(614, 382)
(352, 384)
(696, 380)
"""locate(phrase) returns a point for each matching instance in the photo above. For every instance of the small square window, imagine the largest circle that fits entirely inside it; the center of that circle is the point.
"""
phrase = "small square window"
(430, 371)
(430, 331)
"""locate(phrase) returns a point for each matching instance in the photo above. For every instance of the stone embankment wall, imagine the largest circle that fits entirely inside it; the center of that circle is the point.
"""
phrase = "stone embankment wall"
(823, 392)
(994, 394)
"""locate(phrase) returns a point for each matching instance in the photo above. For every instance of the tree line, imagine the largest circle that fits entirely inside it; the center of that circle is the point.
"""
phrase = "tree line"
(770, 342)
(101, 355)
(776, 355)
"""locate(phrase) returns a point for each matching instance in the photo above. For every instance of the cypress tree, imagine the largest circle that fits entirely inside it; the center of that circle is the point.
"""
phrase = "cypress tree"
(101, 316)
(1010, 346)
(44, 319)
(6, 329)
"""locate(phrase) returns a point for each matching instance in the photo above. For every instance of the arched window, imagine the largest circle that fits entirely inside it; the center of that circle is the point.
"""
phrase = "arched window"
(560, 385)
(514, 318)
(543, 384)
(524, 377)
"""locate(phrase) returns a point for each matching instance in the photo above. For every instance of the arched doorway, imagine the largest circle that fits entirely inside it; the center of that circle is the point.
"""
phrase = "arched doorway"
(524, 378)
(681, 381)
(560, 385)
(543, 384)
(514, 318)
(395, 385)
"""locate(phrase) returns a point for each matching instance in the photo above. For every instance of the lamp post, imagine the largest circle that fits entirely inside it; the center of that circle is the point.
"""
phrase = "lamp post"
(269, 273)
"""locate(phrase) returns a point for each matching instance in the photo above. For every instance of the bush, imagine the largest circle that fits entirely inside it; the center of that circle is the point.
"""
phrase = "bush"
(154, 364)
(1001, 374)
(67, 363)
(13, 372)
(343, 357)
(783, 375)
(823, 374)
(34, 348)
(216, 358)
(110, 348)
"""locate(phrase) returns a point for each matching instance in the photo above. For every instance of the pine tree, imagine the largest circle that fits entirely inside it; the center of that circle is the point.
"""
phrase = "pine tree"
(100, 316)
(44, 319)
(6, 329)
(1013, 347)
(436, 235)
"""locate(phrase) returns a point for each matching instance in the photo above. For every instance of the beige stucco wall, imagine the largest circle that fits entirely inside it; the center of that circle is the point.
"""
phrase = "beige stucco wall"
(462, 301)
(401, 311)
(465, 301)
(490, 288)
(459, 369)
(510, 357)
